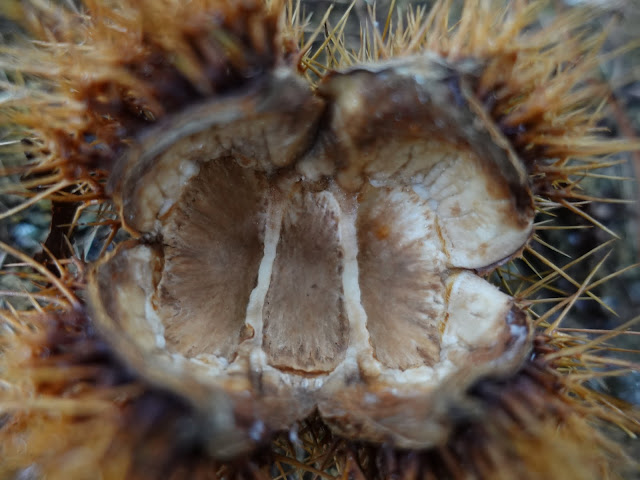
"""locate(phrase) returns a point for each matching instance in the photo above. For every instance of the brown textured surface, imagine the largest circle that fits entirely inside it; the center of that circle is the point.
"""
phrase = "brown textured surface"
(305, 290)
(400, 278)
(213, 245)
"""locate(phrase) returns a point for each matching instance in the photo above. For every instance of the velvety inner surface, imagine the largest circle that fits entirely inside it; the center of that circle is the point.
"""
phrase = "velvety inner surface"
(309, 249)
(305, 326)
(400, 260)
(213, 249)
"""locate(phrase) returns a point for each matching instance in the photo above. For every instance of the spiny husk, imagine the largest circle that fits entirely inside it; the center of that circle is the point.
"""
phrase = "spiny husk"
(539, 85)
(93, 80)
(73, 411)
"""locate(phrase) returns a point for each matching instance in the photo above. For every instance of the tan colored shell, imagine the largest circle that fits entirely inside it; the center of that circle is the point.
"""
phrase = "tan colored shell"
(298, 250)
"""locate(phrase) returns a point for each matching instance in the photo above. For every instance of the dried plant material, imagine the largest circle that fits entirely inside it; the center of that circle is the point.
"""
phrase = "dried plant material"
(304, 289)
(307, 265)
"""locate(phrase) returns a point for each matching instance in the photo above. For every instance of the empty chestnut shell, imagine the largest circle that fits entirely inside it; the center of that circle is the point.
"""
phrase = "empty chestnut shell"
(299, 249)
